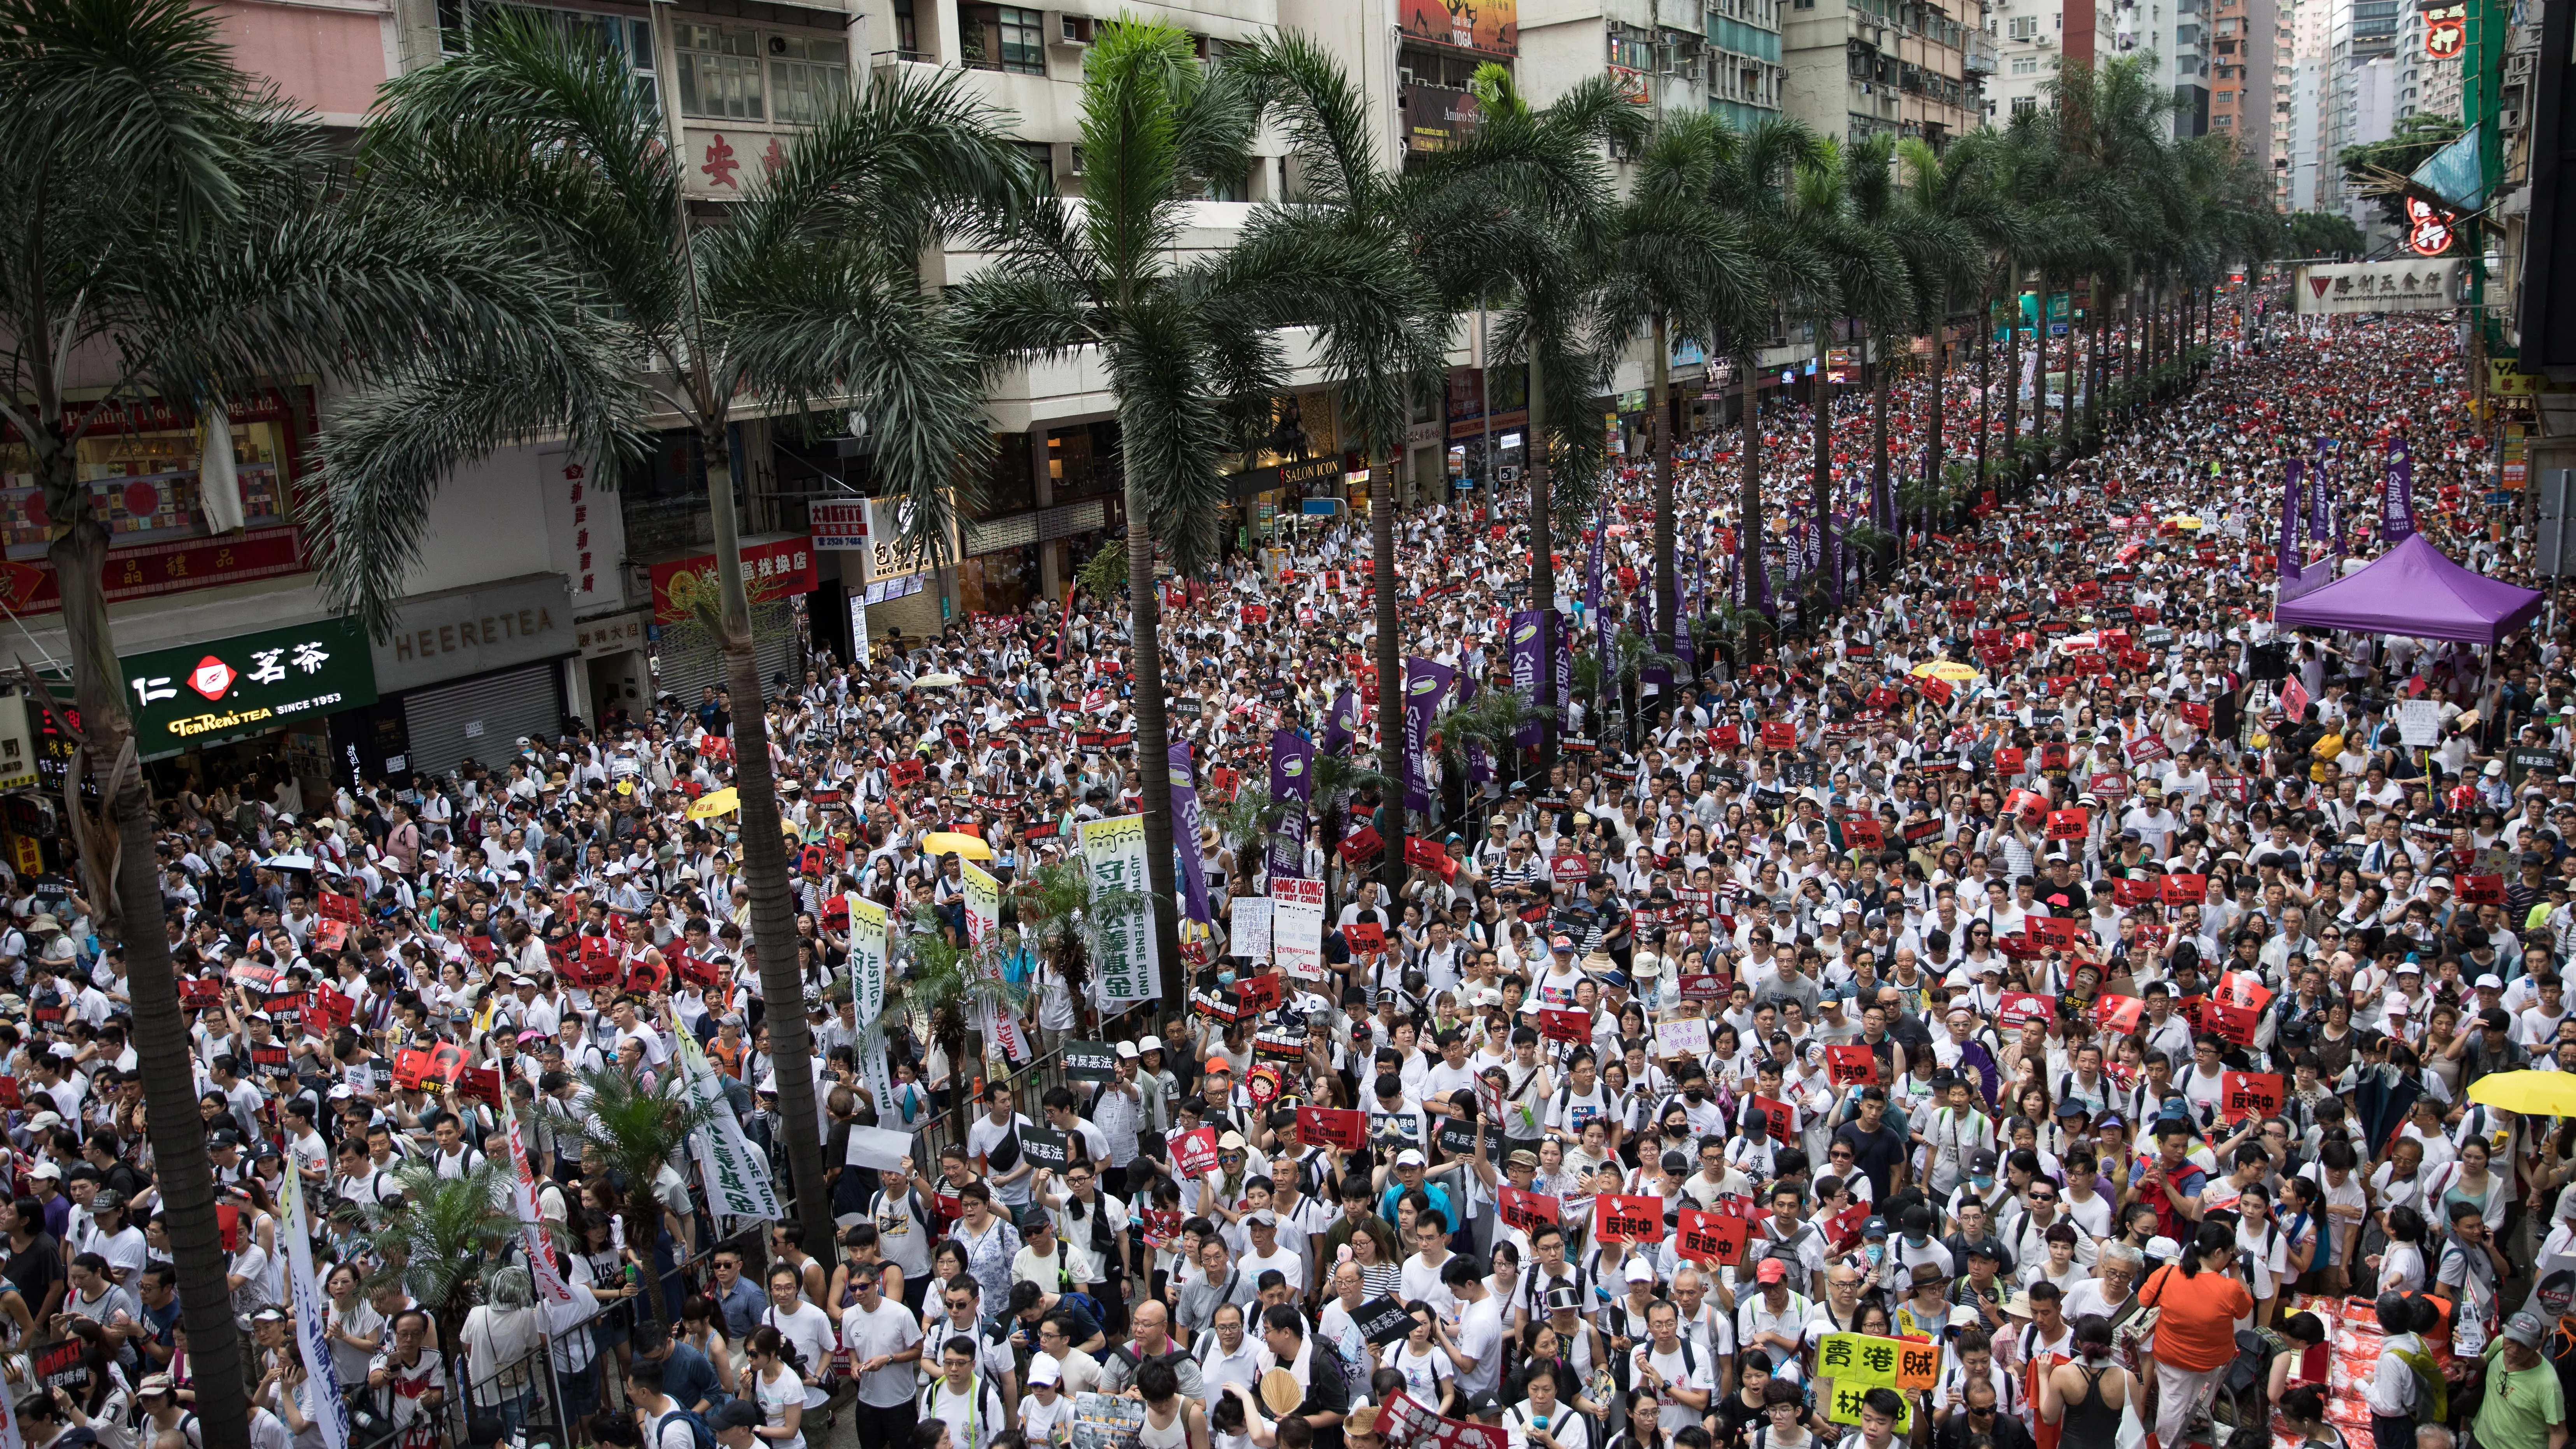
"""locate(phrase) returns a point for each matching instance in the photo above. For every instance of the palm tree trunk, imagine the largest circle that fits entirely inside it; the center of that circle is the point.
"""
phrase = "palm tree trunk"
(1542, 535)
(1879, 484)
(1821, 489)
(2012, 368)
(1940, 369)
(1748, 522)
(178, 1134)
(764, 862)
(1667, 581)
(1153, 730)
(1985, 383)
(1387, 650)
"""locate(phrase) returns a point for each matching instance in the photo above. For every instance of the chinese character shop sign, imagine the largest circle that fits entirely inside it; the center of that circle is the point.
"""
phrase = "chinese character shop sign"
(771, 569)
(247, 685)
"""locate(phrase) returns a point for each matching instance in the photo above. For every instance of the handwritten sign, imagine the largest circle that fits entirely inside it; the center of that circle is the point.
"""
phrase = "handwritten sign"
(1682, 1037)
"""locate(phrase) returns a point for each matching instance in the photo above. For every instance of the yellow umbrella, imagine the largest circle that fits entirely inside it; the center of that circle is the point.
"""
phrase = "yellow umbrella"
(2533, 1094)
(2183, 520)
(714, 803)
(1950, 669)
(943, 842)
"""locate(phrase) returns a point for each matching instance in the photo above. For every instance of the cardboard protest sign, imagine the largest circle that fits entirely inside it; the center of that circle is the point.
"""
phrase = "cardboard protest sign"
(2228, 1022)
(2185, 890)
(2017, 1008)
(1046, 1149)
(2056, 932)
(1555, 1024)
(1526, 1210)
(1716, 1238)
(2480, 890)
(1851, 1065)
(2249, 1094)
(1261, 992)
(1704, 986)
(1090, 1061)
(1382, 1320)
(2069, 824)
(1685, 1036)
(1777, 1118)
(1343, 1127)
(2238, 988)
(1194, 1152)
(2118, 1015)
(1619, 1217)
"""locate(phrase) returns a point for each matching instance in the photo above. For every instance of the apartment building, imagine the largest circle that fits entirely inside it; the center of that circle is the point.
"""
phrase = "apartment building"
(2358, 93)
(1913, 67)
(2242, 35)
(2034, 38)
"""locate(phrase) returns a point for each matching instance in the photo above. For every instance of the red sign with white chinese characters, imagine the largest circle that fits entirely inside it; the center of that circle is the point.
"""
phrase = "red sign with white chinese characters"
(770, 570)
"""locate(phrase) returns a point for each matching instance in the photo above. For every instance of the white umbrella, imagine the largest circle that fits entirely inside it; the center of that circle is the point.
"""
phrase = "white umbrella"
(289, 862)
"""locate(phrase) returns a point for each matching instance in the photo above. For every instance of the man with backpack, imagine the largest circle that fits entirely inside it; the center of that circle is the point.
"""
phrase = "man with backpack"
(661, 1419)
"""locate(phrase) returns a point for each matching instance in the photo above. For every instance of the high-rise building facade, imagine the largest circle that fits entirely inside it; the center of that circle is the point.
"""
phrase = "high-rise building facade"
(1912, 67)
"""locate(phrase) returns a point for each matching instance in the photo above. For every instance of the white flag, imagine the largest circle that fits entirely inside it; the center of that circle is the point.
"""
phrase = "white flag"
(312, 1318)
(532, 1228)
(737, 1180)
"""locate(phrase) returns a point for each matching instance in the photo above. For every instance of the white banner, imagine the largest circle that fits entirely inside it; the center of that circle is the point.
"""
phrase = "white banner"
(736, 1179)
(1130, 965)
(551, 1288)
(2346, 289)
(1297, 928)
(871, 944)
(312, 1309)
(1251, 928)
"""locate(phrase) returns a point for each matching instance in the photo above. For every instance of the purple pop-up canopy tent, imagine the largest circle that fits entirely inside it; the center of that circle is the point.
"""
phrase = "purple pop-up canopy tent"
(2413, 589)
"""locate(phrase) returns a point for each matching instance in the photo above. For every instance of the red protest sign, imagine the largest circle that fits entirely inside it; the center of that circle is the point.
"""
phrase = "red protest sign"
(1365, 938)
(2010, 759)
(646, 977)
(2055, 755)
(200, 992)
(1263, 992)
(1194, 1152)
(2060, 932)
(2480, 890)
(1865, 833)
(2236, 988)
(1362, 843)
(2130, 890)
(2118, 1015)
(1843, 1229)
(480, 1084)
(1343, 1127)
(1779, 735)
(1776, 1118)
(1852, 1065)
(10, 1096)
(1558, 1025)
(1716, 1238)
(1619, 1217)
(330, 935)
(2185, 890)
(2249, 1094)
(1704, 986)
(329, 1009)
(907, 772)
(411, 1068)
(1526, 1210)
(594, 965)
(2017, 1008)
(2069, 824)
(347, 910)
(2231, 1023)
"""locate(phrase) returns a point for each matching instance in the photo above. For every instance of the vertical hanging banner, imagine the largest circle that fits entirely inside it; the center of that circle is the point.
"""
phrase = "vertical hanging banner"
(1752, 585)
(1560, 653)
(312, 1309)
(1425, 685)
(1529, 641)
(2320, 497)
(870, 942)
(1185, 834)
(2288, 563)
(1297, 928)
(1342, 722)
(1292, 783)
(2397, 495)
(734, 1174)
(1130, 967)
(552, 1290)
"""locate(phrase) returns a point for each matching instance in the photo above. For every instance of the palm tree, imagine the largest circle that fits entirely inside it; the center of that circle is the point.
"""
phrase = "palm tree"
(438, 1238)
(1190, 349)
(949, 987)
(1382, 327)
(810, 292)
(1678, 261)
(1957, 219)
(637, 1131)
(1521, 211)
(212, 244)
(1838, 193)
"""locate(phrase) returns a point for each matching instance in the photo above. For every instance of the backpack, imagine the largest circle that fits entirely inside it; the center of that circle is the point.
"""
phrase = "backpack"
(704, 1437)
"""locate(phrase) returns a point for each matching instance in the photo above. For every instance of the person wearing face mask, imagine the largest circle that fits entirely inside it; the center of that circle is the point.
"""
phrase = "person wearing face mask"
(1914, 1245)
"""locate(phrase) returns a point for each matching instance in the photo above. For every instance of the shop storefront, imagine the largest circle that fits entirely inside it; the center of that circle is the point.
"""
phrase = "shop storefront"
(616, 678)
(778, 573)
(252, 707)
(464, 675)
(174, 523)
(1485, 446)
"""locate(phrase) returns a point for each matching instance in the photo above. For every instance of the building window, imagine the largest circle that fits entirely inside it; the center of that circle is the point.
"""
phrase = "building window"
(1632, 53)
(630, 38)
(2024, 105)
(719, 72)
(1004, 37)
(806, 76)
(2025, 65)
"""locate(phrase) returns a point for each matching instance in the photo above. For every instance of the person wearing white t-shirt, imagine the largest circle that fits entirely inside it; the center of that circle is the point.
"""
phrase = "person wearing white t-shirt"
(1474, 1346)
(1262, 1226)
(1670, 1369)
(1045, 1407)
(801, 1323)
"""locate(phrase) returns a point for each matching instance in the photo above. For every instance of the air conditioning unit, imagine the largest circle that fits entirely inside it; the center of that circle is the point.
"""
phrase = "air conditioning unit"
(1068, 30)
(2509, 119)
(1068, 158)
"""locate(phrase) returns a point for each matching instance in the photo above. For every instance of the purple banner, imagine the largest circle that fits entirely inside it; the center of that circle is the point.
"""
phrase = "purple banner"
(2397, 495)
(1528, 655)
(1185, 834)
(1752, 585)
(1342, 723)
(1560, 648)
(2320, 498)
(1480, 763)
(1426, 684)
(1834, 559)
(1292, 783)
(2288, 562)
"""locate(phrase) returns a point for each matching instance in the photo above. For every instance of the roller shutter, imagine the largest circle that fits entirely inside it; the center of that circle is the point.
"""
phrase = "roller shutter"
(686, 660)
(484, 716)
